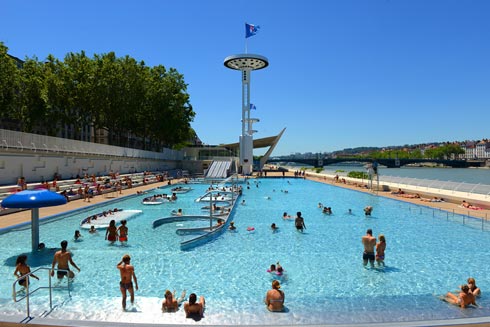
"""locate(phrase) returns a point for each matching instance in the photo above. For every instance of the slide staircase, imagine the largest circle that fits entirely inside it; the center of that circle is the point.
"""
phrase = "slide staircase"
(219, 169)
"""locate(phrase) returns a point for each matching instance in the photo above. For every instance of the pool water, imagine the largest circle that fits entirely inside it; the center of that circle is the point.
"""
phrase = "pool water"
(429, 252)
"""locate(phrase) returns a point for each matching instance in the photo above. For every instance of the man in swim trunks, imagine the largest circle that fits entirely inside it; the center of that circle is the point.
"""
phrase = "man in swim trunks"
(127, 275)
(299, 222)
(62, 258)
(369, 243)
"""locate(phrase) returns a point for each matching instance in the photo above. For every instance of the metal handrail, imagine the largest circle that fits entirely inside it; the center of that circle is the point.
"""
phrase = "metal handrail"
(29, 292)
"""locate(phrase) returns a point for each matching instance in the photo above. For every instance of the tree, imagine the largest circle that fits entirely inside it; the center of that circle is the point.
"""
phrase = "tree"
(9, 83)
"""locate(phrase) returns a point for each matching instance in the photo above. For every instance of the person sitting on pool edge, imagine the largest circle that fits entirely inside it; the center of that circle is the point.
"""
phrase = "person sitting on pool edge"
(194, 309)
(464, 299)
(274, 298)
(170, 304)
(475, 290)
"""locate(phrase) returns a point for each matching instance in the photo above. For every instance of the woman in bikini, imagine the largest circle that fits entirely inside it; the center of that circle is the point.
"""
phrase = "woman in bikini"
(111, 232)
(22, 269)
(123, 232)
(274, 299)
(380, 250)
(475, 290)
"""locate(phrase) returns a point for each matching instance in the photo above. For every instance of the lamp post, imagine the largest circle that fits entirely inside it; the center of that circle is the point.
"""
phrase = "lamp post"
(246, 63)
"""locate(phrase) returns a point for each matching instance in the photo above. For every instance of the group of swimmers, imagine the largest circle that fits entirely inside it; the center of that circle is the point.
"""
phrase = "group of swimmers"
(114, 233)
(466, 296)
(370, 246)
(99, 215)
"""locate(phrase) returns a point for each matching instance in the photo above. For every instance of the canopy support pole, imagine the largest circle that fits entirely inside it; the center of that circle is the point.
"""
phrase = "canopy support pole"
(35, 228)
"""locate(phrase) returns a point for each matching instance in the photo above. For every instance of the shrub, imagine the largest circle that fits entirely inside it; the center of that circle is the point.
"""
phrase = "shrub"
(358, 174)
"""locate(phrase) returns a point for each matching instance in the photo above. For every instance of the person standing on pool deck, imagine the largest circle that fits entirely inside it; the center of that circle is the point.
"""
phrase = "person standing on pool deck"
(299, 222)
(62, 258)
(369, 243)
(127, 277)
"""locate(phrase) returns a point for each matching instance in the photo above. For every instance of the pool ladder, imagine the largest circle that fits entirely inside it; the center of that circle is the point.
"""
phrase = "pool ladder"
(18, 296)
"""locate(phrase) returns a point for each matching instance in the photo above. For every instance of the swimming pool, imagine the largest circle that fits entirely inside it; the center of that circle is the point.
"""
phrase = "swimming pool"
(428, 253)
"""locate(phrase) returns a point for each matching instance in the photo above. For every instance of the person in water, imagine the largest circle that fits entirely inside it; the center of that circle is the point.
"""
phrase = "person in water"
(170, 303)
(380, 250)
(127, 278)
(193, 308)
(123, 232)
(274, 298)
(111, 232)
(463, 300)
(62, 258)
(22, 269)
(299, 222)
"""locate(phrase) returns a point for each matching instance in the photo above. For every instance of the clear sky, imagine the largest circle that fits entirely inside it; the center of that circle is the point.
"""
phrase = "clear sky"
(342, 73)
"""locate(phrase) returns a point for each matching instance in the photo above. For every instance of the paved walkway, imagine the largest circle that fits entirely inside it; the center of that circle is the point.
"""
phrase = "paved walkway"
(25, 216)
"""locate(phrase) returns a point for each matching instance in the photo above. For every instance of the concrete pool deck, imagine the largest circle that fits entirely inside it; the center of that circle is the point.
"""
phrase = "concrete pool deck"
(25, 216)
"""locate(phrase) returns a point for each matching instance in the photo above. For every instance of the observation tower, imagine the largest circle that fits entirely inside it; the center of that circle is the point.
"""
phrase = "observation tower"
(246, 63)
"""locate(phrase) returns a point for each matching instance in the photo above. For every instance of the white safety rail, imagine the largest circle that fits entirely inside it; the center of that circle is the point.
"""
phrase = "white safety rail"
(18, 296)
(41, 143)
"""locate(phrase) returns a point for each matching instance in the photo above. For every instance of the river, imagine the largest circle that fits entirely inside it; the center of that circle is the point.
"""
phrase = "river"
(466, 175)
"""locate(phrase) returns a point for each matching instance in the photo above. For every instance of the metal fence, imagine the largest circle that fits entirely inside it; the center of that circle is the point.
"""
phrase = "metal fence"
(442, 185)
(41, 143)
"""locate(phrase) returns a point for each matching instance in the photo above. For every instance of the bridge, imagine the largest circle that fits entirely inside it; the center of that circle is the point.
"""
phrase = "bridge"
(389, 163)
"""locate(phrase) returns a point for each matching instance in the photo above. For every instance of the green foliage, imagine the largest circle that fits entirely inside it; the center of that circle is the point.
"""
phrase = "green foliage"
(340, 171)
(318, 170)
(358, 174)
(444, 152)
(122, 96)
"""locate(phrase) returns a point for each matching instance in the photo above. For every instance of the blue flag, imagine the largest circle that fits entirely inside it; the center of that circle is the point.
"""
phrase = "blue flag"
(252, 107)
(250, 30)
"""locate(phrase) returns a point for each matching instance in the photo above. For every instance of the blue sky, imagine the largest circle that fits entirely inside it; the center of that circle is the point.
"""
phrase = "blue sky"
(342, 74)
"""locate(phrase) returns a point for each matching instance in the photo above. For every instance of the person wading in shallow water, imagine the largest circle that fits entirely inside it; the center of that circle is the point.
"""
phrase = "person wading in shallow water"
(127, 278)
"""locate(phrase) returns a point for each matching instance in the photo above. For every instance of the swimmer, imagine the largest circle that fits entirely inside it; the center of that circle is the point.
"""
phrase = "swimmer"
(368, 210)
(299, 222)
(92, 230)
(286, 216)
(274, 227)
(464, 299)
(243, 202)
(77, 236)
(232, 226)
(475, 290)
(170, 303)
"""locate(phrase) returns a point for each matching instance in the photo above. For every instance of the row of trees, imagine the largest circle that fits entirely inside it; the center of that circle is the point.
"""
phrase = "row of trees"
(446, 151)
(128, 100)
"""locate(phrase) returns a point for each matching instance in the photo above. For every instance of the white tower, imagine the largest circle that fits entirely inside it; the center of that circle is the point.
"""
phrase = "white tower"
(246, 63)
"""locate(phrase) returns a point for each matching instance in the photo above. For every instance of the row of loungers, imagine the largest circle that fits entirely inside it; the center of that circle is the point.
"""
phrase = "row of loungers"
(137, 179)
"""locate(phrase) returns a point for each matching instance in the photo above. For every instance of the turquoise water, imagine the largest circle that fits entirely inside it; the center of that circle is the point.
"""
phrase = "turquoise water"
(428, 253)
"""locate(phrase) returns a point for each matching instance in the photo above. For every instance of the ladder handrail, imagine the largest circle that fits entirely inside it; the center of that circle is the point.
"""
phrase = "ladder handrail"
(29, 292)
